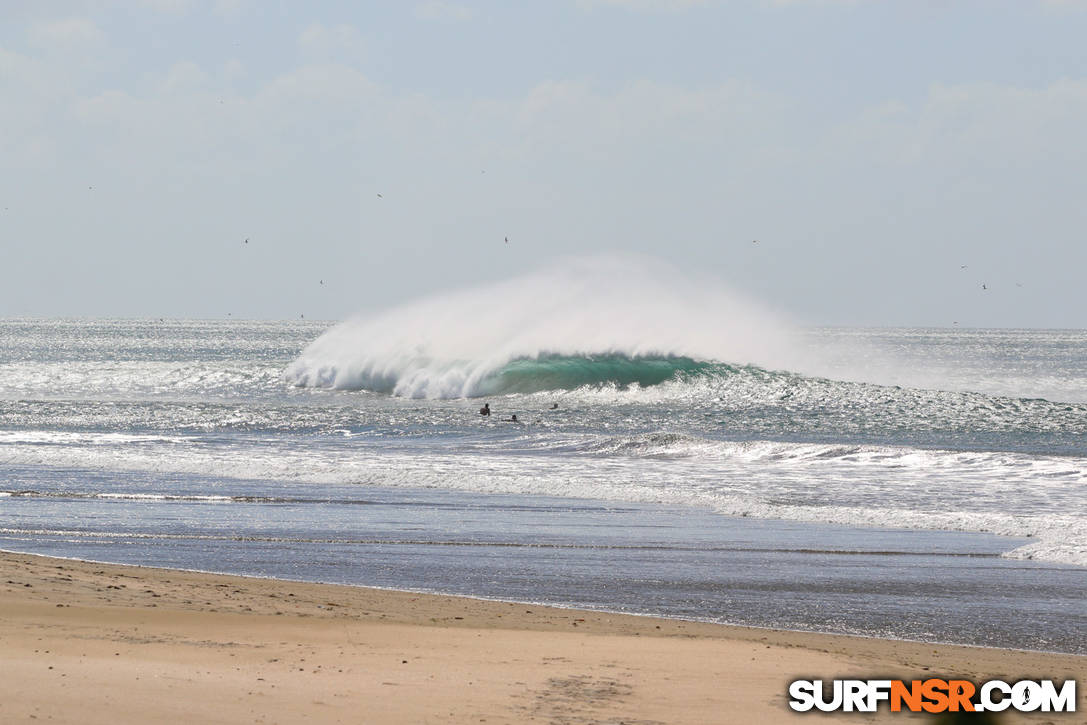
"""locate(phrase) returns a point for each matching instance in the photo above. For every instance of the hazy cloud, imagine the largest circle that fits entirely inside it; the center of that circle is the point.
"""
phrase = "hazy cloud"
(323, 42)
(677, 5)
(666, 5)
(69, 33)
(175, 7)
(231, 8)
(441, 10)
(859, 189)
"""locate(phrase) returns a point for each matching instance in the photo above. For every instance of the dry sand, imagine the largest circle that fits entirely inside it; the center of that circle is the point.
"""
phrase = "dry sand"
(96, 643)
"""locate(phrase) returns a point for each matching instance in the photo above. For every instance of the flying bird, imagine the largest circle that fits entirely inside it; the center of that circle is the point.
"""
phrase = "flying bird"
(247, 240)
(962, 266)
(984, 287)
(507, 240)
(379, 196)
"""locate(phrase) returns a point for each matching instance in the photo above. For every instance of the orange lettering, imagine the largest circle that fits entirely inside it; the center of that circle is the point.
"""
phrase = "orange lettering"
(934, 691)
(910, 695)
(959, 694)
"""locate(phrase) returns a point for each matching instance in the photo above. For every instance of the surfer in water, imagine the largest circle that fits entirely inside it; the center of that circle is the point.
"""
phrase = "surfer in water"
(486, 409)
(512, 419)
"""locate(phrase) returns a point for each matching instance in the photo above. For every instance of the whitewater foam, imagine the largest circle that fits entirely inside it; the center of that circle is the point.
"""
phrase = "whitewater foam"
(1022, 495)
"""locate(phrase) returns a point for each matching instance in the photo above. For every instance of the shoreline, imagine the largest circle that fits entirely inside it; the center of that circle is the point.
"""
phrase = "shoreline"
(602, 611)
(91, 642)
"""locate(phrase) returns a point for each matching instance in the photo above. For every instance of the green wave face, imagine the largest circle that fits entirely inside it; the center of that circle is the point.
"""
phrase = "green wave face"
(563, 372)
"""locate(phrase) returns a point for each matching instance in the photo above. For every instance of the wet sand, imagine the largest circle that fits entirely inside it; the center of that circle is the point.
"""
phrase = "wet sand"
(97, 643)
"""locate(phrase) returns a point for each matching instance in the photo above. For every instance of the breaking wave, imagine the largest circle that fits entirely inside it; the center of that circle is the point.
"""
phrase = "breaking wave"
(604, 321)
(520, 375)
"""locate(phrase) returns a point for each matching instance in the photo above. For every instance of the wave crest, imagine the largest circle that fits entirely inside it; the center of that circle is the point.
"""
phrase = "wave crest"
(423, 378)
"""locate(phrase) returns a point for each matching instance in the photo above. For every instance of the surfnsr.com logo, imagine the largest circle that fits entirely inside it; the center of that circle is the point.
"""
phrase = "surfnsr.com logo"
(933, 695)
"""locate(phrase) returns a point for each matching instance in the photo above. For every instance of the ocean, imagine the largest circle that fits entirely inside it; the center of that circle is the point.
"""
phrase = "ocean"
(925, 484)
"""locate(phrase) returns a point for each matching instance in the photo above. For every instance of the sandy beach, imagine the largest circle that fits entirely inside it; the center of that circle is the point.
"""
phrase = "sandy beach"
(97, 643)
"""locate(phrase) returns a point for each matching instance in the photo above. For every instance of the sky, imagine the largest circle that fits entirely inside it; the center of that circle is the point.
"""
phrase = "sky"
(839, 162)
